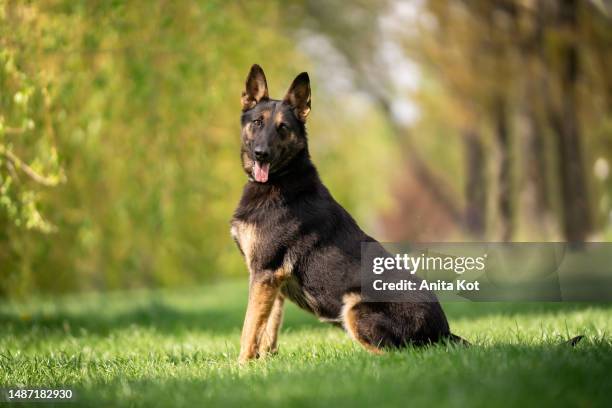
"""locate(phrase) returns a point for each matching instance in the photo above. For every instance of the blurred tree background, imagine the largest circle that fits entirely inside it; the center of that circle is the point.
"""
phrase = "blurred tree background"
(432, 120)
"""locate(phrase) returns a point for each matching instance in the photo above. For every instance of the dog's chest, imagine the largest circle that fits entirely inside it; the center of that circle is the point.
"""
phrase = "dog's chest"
(264, 251)
(278, 247)
(247, 237)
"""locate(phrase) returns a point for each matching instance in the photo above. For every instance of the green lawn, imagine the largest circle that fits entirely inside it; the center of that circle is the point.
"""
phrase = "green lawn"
(180, 348)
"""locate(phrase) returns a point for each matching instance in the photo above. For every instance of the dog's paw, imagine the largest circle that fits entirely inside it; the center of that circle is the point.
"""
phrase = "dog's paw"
(246, 356)
(267, 351)
(242, 360)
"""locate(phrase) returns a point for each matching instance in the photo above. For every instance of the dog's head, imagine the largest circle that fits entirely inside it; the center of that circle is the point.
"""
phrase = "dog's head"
(273, 131)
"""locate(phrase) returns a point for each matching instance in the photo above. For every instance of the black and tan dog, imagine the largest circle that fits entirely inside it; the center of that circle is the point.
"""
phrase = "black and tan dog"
(300, 244)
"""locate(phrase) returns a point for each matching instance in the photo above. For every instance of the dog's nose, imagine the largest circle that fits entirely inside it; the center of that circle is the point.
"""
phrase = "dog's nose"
(261, 154)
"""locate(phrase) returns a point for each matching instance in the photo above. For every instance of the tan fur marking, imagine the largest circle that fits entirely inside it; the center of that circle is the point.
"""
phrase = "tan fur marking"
(266, 115)
(303, 112)
(248, 131)
(278, 118)
(269, 340)
(312, 302)
(261, 319)
(261, 299)
(246, 234)
(247, 163)
(286, 268)
(348, 302)
(350, 321)
(247, 101)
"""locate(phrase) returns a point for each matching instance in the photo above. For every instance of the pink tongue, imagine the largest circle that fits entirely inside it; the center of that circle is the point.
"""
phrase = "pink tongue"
(260, 172)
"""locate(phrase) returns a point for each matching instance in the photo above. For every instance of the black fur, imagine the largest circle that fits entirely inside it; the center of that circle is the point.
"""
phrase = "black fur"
(298, 222)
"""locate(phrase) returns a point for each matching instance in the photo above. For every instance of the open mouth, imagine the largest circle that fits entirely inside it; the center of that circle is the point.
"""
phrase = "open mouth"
(260, 171)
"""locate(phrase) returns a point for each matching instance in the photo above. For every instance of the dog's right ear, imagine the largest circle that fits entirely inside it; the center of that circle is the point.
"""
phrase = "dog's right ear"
(256, 88)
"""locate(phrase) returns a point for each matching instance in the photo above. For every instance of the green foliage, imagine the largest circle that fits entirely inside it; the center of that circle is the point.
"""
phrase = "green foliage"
(119, 127)
(140, 105)
(180, 348)
(27, 148)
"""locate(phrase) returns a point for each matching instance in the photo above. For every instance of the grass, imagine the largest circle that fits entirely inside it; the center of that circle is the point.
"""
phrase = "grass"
(179, 348)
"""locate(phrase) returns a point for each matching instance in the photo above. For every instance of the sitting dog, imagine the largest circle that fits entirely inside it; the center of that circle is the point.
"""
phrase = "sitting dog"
(300, 244)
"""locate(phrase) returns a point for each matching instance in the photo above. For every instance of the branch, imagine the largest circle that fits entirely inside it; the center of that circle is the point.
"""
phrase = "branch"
(436, 186)
(30, 172)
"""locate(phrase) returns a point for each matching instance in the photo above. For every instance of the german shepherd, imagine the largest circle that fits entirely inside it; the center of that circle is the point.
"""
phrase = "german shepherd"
(300, 244)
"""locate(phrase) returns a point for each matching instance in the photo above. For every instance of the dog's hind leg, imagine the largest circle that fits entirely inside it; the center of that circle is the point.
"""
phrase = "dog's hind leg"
(361, 325)
(269, 339)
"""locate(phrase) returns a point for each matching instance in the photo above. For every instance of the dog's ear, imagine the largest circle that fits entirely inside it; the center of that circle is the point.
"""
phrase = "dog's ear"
(298, 96)
(256, 88)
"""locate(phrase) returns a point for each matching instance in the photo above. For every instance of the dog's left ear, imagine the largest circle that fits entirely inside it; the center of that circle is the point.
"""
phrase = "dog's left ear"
(298, 96)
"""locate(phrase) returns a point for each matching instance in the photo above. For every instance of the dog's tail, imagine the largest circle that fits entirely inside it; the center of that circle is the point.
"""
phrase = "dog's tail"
(453, 338)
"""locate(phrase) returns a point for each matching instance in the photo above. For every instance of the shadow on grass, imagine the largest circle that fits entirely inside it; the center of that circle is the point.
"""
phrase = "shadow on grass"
(160, 315)
(221, 313)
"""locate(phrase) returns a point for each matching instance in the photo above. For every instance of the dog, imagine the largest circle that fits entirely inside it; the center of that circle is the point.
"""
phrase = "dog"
(300, 244)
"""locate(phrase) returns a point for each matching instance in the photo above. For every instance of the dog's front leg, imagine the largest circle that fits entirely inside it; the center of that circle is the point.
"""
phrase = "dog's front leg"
(263, 291)
(269, 340)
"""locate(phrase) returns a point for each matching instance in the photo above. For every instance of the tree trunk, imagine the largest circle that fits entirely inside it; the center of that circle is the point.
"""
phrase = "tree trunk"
(535, 198)
(427, 177)
(504, 189)
(574, 194)
(475, 185)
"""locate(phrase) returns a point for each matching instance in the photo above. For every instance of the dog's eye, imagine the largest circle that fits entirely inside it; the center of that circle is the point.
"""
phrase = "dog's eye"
(283, 129)
(257, 123)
